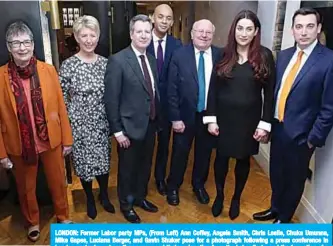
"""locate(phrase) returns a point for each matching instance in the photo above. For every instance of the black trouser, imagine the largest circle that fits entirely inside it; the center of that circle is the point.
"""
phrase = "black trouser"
(204, 143)
(134, 168)
(289, 163)
(162, 151)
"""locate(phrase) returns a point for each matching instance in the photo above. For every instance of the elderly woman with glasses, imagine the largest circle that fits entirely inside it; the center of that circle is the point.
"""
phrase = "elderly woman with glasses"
(34, 125)
(82, 81)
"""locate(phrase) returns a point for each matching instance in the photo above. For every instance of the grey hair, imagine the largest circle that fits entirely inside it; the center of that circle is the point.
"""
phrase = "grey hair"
(86, 21)
(143, 18)
(196, 23)
(18, 28)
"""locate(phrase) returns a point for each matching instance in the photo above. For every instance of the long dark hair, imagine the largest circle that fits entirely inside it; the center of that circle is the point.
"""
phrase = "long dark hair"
(257, 56)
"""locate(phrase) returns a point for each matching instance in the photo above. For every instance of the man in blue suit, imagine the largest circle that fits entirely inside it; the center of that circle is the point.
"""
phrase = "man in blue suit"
(189, 77)
(161, 47)
(303, 114)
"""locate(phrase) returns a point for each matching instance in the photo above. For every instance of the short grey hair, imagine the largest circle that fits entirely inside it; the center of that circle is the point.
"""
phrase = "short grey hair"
(18, 28)
(86, 21)
(196, 23)
(143, 18)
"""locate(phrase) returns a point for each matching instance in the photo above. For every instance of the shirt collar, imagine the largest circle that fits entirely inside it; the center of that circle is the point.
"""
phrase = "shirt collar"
(137, 53)
(307, 51)
(155, 38)
(207, 51)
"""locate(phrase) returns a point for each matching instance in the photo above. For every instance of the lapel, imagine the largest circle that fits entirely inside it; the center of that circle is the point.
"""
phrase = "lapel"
(153, 68)
(151, 49)
(134, 63)
(9, 89)
(192, 61)
(216, 55)
(42, 79)
(313, 58)
(282, 65)
(168, 49)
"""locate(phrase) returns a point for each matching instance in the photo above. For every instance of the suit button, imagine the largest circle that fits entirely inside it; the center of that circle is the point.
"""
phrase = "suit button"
(148, 99)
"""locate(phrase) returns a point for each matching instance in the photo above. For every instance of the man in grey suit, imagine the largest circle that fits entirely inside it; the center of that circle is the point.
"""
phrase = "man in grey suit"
(132, 99)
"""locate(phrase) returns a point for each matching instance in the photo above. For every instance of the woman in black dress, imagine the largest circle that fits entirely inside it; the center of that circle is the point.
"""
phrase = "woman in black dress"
(235, 102)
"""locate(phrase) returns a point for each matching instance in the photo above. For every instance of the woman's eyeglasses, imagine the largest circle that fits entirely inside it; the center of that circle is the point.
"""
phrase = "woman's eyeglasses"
(17, 44)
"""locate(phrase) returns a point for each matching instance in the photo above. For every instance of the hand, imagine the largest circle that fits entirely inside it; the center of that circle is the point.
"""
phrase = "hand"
(6, 163)
(260, 135)
(123, 141)
(178, 126)
(213, 129)
(66, 150)
(310, 145)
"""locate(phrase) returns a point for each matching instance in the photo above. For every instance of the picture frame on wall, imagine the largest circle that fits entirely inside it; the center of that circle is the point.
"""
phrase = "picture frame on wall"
(70, 15)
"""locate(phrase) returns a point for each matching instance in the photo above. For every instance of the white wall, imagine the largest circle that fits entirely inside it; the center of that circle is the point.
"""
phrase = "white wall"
(267, 11)
(322, 200)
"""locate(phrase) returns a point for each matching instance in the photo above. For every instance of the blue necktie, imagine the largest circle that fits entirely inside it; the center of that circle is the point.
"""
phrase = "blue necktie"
(202, 83)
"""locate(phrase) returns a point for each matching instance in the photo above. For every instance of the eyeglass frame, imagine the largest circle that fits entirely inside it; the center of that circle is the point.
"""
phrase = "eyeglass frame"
(20, 42)
(201, 32)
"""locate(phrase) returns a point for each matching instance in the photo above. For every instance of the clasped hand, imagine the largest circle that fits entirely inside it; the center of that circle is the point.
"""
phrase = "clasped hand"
(261, 135)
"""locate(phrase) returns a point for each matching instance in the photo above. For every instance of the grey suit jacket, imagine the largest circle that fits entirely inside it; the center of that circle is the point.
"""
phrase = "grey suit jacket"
(126, 94)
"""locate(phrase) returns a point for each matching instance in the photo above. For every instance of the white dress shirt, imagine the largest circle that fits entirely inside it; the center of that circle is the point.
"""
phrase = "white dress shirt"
(163, 43)
(208, 68)
(293, 60)
(138, 54)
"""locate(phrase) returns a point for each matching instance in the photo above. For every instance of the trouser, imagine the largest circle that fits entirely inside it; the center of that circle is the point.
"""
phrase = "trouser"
(162, 151)
(182, 142)
(26, 175)
(289, 165)
(134, 168)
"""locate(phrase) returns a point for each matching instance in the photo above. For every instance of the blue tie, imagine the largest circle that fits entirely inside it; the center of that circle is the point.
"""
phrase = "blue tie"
(202, 83)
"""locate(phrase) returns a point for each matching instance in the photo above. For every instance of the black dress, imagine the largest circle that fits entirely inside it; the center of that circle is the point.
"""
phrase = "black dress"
(237, 104)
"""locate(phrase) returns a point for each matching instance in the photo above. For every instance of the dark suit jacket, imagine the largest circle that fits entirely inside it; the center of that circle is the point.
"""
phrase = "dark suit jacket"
(309, 107)
(126, 94)
(183, 85)
(171, 45)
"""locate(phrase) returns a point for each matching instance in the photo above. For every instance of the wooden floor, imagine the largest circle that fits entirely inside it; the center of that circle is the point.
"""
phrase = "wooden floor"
(256, 197)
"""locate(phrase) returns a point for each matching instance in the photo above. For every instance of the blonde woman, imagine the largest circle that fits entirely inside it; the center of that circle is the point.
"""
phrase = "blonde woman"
(83, 87)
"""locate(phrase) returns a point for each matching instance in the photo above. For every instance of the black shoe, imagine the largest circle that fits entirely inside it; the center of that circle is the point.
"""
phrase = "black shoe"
(201, 195)
(147, 206)
(173, 197)
(217, 206)
(91, 209)
(106, 204)
(234, 209)
(131, 216)
(265, 215)
(161, 187)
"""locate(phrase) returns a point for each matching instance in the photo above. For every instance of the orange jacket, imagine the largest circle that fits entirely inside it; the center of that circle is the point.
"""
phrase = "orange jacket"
(58, 125)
